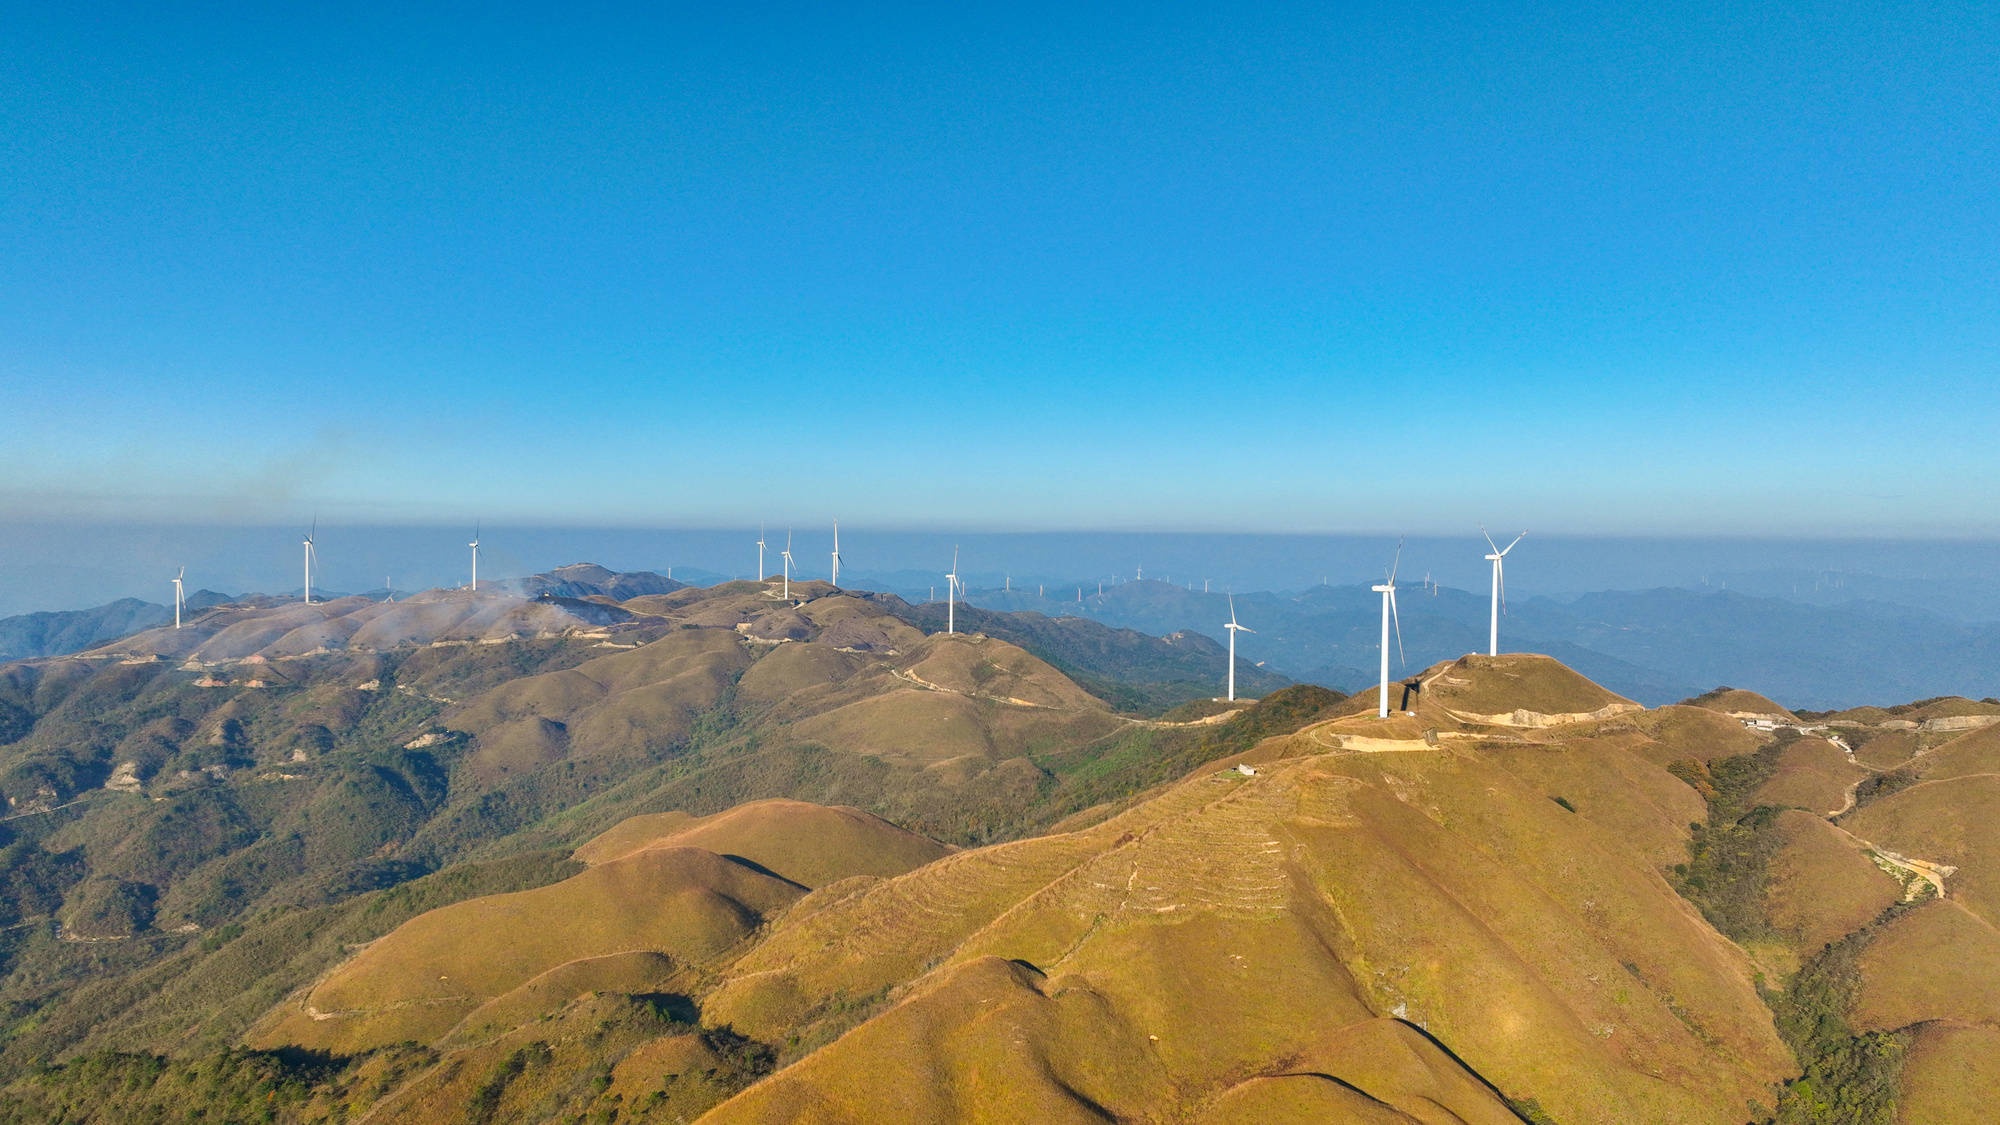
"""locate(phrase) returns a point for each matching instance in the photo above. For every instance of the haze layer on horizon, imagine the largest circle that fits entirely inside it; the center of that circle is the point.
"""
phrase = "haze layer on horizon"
(74, 564)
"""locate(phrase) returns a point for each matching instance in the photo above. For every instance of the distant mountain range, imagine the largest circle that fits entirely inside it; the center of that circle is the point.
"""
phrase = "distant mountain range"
(33, 635)
(1655, 646)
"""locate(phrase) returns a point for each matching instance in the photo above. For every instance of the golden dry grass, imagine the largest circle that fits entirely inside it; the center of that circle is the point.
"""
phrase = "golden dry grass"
(1883, 750)
(427, 974)
(1812, 774)
(1955, 822)
(1950, 1074)
(628, 704)
(1966, 755)
(635, 973)
(808, 844)
(1935, 962)
(1219, 931)
(994, 669)
(1736, 701)
(1697, 733)
(1821, 886)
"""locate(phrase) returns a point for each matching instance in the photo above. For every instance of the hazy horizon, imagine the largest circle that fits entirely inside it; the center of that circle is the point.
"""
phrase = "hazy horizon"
(73, 565)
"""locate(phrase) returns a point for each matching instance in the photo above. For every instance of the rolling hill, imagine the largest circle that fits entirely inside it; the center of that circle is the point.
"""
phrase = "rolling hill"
(716, 853)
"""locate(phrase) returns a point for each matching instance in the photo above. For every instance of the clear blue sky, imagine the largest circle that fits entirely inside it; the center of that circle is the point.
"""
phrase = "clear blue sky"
(1596, 269)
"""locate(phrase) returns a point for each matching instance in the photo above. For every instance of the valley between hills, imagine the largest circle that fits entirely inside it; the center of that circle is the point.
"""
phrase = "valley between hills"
(636, 852)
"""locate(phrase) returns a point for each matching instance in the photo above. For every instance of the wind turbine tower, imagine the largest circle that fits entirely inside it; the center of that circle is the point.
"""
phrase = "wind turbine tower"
(309, 561)
(951, 595)
(787, 553)
(178, 597)
(1388, 592)
(836, 552)
(1234, 629)
(1497, 558)
(475, 557)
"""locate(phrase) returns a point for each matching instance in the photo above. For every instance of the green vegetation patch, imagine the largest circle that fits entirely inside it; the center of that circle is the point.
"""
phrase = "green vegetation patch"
(1849, 1078)
(114, 1088)
(1729, 857)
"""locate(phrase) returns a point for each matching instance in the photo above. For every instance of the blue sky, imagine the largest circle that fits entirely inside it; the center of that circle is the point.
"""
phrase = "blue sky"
(1595, 269)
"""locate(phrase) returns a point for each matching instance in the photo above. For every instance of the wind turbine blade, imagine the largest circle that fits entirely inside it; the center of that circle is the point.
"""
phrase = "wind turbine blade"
(1489, 539)
(1395, 562)
(1397, 618)
(1500, 573)
(1232, 609)
(1517, 540)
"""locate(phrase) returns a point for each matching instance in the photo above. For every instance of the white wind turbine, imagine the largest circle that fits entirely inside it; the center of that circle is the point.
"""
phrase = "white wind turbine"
(309, 560)
(179, 599)
(951, 595)
(1388, 592)
(1499, 587)
(1234, 629)
(787, 553)
(760, 553)
(836, 552)
(475, 556)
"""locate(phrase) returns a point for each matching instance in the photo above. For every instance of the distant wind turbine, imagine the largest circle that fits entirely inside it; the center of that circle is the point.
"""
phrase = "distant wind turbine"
(836, 552)
(787, 553)
(1388, 592)
(475, 556)
(178, 597)
(1497, 558)
(1234, 629)
(951, 595)
(760, 553)
(309, 559)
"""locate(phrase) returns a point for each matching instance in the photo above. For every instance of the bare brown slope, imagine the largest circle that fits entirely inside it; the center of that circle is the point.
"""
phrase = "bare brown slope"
(278, 629)
(1952, 823)
(663, 893)
(627, 704)
(1697, 733)
(1510, 690)
(1950, 1073)
(1737, 703)
(1812, 774)
(811, 845)
(1964, 755)
(1821, 886)
(1936, 962)
(427, 974)
(1226, 927)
